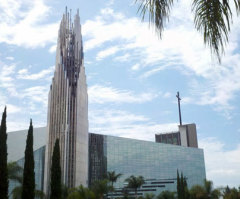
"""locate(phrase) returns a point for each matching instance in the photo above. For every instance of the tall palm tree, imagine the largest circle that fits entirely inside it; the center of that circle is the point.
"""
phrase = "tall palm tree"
(211, 18)
(135, 183)
(113, 177)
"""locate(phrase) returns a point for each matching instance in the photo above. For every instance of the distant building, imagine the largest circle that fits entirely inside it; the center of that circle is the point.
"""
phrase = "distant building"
(185, 136)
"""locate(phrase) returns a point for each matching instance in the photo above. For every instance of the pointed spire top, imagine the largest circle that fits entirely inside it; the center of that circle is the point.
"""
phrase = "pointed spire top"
(78, 12)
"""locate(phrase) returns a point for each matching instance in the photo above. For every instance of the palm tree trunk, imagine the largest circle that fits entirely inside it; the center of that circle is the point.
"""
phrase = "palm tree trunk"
(136, 193)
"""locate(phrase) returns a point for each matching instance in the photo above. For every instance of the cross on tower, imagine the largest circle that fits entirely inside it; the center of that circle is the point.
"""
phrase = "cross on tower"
(179, 108)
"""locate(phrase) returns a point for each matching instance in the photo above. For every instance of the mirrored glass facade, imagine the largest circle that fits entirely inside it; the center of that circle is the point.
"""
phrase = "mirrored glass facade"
(38, 169)
(156, 162)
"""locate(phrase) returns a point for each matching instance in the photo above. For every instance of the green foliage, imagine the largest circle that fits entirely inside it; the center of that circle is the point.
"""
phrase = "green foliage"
(149, 196)
(204, 192)
(166, 195)
(3, 157)
(15, 172)
(182, 189)
(28, 187)
(135, 183)
(100, 188)
(178, 186)
(55, 181)
(197, 192)
(81, 193)
(211, 18)
(231, 193)
(113, 177)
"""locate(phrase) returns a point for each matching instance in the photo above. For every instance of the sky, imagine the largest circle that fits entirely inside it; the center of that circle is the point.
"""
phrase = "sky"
(132, 75)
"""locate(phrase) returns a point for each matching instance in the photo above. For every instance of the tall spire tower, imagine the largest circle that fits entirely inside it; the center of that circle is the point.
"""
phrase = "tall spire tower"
(68, 107)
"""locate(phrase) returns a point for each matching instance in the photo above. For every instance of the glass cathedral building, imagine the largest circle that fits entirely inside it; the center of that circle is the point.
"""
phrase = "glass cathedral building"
(156, 162)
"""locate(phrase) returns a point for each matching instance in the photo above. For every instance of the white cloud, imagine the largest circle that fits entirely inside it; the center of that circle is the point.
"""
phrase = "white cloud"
(53, 48)
(36, 94)
(181, 48)
(122, 58)
(107, 52)
(135, 67)
(21, 23)
(24, 74)
(10, 107)
(101, 94)
(167, 95)
(10, 58)
(7, 79)
(222, 166)
(126, 124)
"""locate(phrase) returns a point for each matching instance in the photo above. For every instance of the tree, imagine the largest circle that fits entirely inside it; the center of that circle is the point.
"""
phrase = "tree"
(15, 173)
(210, 191)
(28, 186)
(81, 193)
(55, 181)
(166, 195)
(100, 188)
(204, 192)
(197, 192)
(211, 18)
(149, 196)
(182, 189)
(3, 157)
(231, 193)
(135, 183)
(178, 186)
(113, 177)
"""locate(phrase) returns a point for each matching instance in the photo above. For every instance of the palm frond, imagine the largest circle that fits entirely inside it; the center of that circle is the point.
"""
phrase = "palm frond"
(237, 5)
(158, 12)
(213, 17)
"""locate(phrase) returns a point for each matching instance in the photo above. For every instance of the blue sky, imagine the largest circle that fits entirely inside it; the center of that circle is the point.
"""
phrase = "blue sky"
(132, 75)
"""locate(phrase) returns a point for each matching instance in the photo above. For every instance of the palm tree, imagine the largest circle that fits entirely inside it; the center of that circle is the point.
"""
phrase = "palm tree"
(113, 177)
(135, 183)
(211, 18)
(15, 173)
